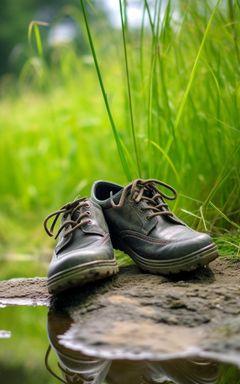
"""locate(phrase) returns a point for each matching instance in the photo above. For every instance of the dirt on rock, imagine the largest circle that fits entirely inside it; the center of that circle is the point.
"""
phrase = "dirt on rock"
(141, 316)
(23, 291)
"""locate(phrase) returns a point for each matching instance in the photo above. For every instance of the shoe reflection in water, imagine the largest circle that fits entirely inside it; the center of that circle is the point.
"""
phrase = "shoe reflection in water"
(81, 369)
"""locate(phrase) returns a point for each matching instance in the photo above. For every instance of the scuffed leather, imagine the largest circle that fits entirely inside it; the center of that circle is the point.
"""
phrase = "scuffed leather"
(160, 237)
(88, 243)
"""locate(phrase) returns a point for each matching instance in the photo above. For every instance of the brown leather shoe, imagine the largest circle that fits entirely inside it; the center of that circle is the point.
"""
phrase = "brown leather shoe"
(84, 250)
(141, 224)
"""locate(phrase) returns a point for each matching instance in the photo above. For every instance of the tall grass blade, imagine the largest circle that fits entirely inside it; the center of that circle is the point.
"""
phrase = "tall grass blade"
(194, 68)
(124, 26)
(149, 16)
(233, 223)
(233, 26)
(114, 129)
(166, 156)
(223, 175)
(34, 27)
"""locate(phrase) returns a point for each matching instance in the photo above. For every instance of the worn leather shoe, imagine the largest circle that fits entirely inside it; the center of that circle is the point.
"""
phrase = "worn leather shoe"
(141, 225)
(84, 250)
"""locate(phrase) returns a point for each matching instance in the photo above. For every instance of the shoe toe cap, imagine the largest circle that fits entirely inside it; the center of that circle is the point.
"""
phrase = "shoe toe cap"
(195, 244)
(79, 257)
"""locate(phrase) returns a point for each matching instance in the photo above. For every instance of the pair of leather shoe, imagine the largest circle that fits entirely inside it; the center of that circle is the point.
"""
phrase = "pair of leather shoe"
(134, 219)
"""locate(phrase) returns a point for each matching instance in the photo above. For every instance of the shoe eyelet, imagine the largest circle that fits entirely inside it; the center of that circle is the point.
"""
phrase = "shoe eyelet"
(89, 222)
(88, 213)
(147, 218)
(87, 205)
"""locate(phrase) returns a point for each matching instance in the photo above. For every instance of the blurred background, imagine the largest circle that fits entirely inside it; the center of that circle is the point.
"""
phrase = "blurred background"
(170, 81)
(170, 72)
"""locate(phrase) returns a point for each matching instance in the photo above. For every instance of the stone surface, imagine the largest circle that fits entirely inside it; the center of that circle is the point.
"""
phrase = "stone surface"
(141, 316)
(24, 291)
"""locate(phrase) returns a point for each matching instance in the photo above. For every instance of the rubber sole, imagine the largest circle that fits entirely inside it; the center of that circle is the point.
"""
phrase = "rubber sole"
(186, 263)
(81, 274)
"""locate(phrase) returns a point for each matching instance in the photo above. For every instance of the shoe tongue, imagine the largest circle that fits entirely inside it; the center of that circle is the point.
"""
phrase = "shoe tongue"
(77, 213)
(159, 200)
(116, 197)
(147, 193)
(92, 228)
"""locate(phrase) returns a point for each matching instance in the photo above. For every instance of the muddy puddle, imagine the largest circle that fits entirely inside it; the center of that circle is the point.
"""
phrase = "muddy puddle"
(25, 335)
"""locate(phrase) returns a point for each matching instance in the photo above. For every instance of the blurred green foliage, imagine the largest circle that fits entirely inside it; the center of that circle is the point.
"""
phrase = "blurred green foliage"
(172, 86)
(15, 17)
(22, 355)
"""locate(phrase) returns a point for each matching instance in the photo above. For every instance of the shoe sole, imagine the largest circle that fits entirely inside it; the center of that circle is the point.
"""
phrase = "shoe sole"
(81, 274)
(186, 263)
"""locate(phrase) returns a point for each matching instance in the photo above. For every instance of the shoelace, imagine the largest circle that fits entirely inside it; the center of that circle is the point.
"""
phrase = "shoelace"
(49, 369)
(155, 203)
(68, 209)
(72, 376)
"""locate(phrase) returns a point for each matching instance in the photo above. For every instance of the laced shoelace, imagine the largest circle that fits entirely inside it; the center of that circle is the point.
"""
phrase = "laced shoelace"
(74, 377)
(68, 209)
(49, 369)
(155, 203)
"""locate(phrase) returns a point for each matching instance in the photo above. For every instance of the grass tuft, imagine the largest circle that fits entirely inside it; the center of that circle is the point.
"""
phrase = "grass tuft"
(170, 91)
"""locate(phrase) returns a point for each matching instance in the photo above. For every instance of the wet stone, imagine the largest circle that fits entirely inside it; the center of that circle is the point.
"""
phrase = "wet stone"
(147, 316)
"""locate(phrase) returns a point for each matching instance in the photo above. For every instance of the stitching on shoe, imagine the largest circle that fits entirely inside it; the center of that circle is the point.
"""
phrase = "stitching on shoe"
(102, 241)
(137, 235)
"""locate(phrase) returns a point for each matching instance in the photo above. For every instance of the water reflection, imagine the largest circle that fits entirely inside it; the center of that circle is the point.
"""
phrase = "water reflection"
(78, 368)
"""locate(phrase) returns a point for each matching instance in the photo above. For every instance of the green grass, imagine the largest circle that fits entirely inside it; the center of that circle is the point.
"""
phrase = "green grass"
(163, 103)
(229, 245)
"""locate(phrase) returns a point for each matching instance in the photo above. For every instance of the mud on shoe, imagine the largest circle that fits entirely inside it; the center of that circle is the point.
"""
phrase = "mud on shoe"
(84, 250)
(141, 225)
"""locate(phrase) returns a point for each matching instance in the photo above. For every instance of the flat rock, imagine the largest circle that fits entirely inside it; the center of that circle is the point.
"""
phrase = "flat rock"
(141, 316)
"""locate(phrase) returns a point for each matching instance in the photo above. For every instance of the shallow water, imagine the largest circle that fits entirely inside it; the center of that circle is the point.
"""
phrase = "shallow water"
(25, 333)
